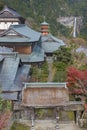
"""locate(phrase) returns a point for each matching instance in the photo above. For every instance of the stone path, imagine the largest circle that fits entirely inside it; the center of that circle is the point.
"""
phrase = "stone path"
(50, 65)
(70, 127)
(50, 125)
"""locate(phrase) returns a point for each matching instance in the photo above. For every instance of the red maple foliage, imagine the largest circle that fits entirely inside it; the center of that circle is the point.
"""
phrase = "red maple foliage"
(77, 80)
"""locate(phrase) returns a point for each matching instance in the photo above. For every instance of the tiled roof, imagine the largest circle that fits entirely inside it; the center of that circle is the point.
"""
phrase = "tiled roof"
(26, 34)
(12, 75)
(9, 68)
(9, 86)
(8, 72)
(9, 96)
(13, 40)
(51, 44)
(9, 12)
(37, 55)
(22, 75)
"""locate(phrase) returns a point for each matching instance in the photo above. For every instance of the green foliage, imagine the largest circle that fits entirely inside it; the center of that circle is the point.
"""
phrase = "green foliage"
(60, 76)
(62, 59)
(83, 31)
(60, 66)
(83, 67)
(5, 105)
(66, 115)
(63, 54)
(1, 101)
(1, 5)
(44, 113)
(18, 126)
(40, 74)
(70, 115)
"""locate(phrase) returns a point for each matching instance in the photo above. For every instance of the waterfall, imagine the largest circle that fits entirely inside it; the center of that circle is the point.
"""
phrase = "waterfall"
(74, 30)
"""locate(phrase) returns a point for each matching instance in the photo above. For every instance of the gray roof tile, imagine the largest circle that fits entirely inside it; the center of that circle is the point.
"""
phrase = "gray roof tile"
(37, 55)
(26, 34)
(12, 75)
(10, 12)
(9, 96)
(51, 43)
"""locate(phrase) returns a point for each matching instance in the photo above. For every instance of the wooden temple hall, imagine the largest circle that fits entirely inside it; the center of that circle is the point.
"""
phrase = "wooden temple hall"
(46, 96)
(41, 95)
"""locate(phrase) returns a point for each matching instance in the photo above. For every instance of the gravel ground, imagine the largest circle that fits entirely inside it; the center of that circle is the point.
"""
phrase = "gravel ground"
(50, 125)
(70, 127)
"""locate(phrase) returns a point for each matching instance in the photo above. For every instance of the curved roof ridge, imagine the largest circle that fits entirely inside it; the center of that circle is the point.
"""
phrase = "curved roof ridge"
(44, 23)
(51, 37)
(10, 10)
(27, 31)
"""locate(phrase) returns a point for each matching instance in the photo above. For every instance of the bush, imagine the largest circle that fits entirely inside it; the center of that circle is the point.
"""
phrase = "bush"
(18, 126)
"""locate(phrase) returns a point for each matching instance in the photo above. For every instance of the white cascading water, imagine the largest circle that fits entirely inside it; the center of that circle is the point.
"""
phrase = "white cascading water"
(74, 30)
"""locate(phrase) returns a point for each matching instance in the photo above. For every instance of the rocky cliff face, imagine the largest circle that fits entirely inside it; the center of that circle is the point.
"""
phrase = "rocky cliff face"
(70, 21)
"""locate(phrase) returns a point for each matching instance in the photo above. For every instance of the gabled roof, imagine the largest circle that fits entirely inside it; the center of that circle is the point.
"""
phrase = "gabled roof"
(9, 12)
(20, 33)
(27, 32)
(12, 73)
(51, 43)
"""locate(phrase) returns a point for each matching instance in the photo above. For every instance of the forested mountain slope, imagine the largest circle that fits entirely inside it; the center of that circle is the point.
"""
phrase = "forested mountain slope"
(35, 10)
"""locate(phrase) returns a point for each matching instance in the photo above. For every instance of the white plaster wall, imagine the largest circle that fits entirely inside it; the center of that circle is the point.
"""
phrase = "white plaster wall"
(5, 25)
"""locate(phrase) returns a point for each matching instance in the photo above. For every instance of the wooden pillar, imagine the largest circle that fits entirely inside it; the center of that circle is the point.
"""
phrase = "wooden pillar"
(77, 116)
(57, 119)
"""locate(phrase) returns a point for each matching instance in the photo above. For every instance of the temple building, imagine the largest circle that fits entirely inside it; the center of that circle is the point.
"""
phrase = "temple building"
(31, 45)
(48, 41)
(12, 74)
(45, 94)
(9, 16)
